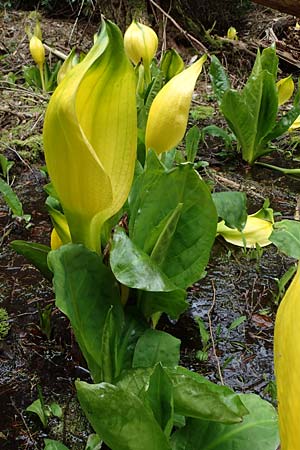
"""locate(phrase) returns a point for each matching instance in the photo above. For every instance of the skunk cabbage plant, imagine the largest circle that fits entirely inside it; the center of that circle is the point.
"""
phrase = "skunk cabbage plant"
(90, 136)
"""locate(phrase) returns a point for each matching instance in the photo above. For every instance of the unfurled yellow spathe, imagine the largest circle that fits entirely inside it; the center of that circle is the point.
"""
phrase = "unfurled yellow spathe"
(90, 136)
(287, 365)
(256, 231)
(140, 43)
(169, 111)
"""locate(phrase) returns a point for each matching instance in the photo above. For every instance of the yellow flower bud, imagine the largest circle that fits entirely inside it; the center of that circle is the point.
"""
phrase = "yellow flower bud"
(140, 43)
(295, 124)
(37, 50)
(168, 115)
(287, 365)
(232, 34)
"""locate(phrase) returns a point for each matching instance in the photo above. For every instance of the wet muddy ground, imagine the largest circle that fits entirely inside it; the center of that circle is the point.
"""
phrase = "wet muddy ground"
(236, 300)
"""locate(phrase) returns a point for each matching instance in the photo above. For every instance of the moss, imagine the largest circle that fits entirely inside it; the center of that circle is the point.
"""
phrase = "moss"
(4, 323)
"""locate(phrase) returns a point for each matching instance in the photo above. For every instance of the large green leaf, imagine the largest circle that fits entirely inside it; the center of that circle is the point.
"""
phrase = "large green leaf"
(160, 398)
(85, 290)
(172, 303)
(231, 207)
(195, 396)
(156, 347)
(286, 236)
(35, 253)
(134, 268)
(259, 431)
(120, 418)
(184, 255)
(219, 78)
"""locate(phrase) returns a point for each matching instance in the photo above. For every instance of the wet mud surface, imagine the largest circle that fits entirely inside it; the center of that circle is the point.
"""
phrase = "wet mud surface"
(236, 300)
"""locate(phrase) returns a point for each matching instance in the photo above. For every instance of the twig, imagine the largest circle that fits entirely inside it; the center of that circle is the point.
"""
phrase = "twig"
(25, 424)
(191, 38)
(211, 332)
(55, 52)
(76, 21)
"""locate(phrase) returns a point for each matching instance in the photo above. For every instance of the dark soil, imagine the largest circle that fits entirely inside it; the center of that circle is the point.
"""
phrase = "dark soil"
(237, 283)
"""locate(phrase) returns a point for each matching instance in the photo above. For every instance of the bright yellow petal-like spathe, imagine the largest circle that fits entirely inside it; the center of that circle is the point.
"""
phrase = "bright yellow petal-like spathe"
(90, 137)
(256, 231)
(169, 111)
(285, 88)
(37, 50)
(287, 365)
(140, 43)
(295, 124)
(55, 241)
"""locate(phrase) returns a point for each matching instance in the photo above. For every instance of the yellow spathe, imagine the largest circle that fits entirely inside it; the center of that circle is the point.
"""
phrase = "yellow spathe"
(287, 365)
(90, 136)
(140, 43)
(256, 231)
(169, 111)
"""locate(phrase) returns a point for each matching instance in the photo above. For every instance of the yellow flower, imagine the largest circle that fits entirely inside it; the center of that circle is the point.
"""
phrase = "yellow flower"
(287, 365)
(140, 43)
(256, 231)
(37, 50)
(232, 34)
(90, 136)
(295, 124)
(285, 88)
(169, 111)
(55, 241)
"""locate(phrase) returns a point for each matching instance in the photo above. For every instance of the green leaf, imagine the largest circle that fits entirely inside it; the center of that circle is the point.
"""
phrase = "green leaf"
(251, 114)
(36, 255)
(109, 347)
(56, 410)
(192, 140)
(231, 207)
(195, 396)
(286, 236)
(213, 130)
(156, 347)
(11, 199)
(134, 268)
(188, 251)
(93, 443)
(269, 61)
(54, 445)
(219, 80)
(160, 398)
(85, 291)
(120, 418)
(172, 303)
(283, 125)
(259, 430)
(38, 408)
